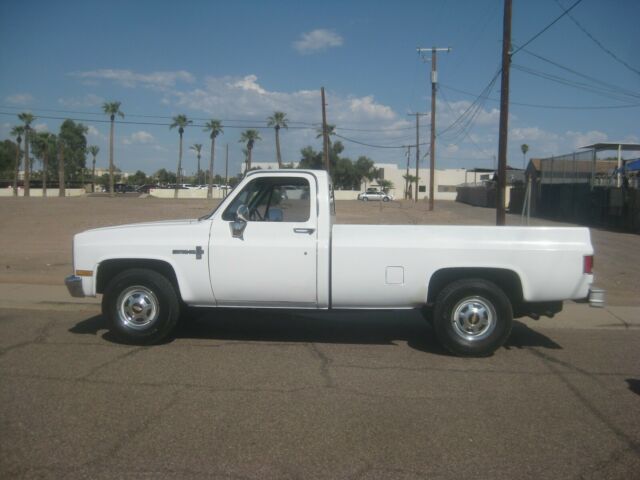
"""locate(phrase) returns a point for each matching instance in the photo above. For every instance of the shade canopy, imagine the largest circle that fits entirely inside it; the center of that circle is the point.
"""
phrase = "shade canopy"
(625, 147)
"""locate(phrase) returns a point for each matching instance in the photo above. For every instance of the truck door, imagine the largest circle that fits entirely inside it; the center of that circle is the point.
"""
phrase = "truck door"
(266, 256)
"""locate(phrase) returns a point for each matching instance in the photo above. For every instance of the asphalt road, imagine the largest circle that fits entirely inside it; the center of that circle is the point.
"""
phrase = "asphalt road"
(280, 395)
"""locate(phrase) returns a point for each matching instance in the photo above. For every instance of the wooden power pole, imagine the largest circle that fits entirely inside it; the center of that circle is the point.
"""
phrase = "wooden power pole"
(432, 145)
(504, 114)
(417, 115)
(226, 169)
(325, 134)
(406, 179)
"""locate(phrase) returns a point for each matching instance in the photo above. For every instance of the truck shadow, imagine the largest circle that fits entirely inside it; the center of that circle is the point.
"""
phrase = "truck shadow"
(340, 327)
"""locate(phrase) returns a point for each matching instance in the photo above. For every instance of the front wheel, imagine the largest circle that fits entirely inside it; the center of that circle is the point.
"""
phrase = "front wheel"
(365, 199)
(141, 305)
(472, 317)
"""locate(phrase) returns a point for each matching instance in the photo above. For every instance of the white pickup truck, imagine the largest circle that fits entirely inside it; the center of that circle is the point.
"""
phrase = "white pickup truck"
(272, 243)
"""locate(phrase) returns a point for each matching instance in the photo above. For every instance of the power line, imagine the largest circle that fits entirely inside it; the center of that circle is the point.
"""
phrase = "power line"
(250, 124)
(466, 119)
(161, 124)
(604, 92)
(598, 43)
(540, 105)
(565, 12)
(137, 115)
(372, 145)
(466, 134)
(612, 87)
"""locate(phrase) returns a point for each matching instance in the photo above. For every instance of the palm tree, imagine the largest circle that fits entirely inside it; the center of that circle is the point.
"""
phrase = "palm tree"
(409, 180)
(525, 148)
(197, 147)
(93, 150)
(331, 131)
(27, 119)
(278, 120)
(112, 109)
(249, 137)
(180, 121)
(61, 148)
(214, 127)
(17, 132)
(385, 185)
(41, 144)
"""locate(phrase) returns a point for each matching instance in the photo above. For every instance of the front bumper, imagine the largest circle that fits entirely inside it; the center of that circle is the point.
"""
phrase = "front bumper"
(74, 285)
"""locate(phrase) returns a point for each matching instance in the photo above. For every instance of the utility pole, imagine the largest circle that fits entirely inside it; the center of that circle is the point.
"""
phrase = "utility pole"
(434, 87)
(417, 115)
(406, 180)
(226, 169)
(504, 114)
(325, 134)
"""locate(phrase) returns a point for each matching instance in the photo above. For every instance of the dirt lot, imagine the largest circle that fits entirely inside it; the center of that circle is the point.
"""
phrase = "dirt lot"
(35, 244)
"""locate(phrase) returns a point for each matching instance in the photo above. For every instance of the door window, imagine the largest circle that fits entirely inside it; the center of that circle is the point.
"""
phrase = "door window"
(273, 199)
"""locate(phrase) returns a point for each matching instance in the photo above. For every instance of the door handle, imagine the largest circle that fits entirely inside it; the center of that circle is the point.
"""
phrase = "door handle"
(304, 230)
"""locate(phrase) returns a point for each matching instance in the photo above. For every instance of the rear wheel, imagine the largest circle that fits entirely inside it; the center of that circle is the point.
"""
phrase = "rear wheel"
(472, 317)
(141, 305)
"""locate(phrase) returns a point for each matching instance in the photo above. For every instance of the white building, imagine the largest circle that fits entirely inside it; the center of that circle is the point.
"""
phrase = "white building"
(445, 181)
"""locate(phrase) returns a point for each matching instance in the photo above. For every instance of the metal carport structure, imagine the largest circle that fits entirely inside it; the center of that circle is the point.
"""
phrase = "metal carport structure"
(613, 146)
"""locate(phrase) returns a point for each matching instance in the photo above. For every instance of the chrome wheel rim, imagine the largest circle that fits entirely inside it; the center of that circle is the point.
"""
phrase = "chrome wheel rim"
(138, 307)
(473, 318)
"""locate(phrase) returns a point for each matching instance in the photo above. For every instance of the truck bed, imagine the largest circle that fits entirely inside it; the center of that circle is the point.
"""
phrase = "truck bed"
(389, 266)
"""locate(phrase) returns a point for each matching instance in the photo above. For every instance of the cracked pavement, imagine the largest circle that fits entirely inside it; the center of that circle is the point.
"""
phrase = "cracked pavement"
(356, 395)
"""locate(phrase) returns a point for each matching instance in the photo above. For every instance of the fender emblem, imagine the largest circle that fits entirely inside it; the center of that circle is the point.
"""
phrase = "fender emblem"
(198, 252)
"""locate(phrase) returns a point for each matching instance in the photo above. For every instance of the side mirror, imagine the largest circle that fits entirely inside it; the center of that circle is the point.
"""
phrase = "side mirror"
(242, 213)
(240, 223)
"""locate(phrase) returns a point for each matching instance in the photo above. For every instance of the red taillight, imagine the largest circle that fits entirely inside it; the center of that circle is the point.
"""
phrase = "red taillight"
(588, 264)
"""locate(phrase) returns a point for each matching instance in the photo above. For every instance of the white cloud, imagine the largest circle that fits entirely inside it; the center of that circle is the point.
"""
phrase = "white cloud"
(95, 133)
(580, 139)
(140, 137)
(532, 134)
(317, 41)
(249, 83)
(245, 97)
(19, 99)
(89, 100)
(452, 111)
(41, 127)
(130, 79)
(370, 109)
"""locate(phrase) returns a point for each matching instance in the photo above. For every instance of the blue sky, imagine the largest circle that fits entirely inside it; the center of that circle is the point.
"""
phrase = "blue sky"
(240, 61)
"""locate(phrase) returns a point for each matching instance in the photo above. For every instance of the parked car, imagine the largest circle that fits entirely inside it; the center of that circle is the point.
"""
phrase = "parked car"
(255, 252)
(375, 195)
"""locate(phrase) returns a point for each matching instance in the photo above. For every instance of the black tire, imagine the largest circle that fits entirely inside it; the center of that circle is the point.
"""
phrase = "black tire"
(142, 306)
(385, 199)
(365, 199)
(472, 317)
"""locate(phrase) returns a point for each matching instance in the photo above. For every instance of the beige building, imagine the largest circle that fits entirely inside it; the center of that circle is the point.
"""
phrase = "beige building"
(445, 183)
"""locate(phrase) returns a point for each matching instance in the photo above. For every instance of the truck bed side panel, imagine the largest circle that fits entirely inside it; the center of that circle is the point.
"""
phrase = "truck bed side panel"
(384, 266)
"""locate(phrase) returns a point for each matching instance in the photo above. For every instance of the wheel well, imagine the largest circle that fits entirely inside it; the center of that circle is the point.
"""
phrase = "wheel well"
(507, 280)
(110, 268)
